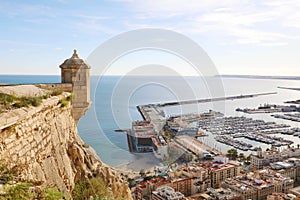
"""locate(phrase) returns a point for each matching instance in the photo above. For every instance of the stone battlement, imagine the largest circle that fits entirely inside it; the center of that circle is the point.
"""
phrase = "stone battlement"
(66, 87)
(75, 77)
(20, 114)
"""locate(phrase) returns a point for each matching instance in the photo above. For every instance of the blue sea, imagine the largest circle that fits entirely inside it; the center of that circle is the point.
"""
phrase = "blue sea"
(115, 99)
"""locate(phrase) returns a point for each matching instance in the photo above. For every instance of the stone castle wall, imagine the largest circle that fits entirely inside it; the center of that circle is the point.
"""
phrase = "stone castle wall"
(66, 87)
(43, 140)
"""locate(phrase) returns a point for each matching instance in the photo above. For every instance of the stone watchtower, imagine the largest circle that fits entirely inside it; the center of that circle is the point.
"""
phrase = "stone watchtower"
(75, 71)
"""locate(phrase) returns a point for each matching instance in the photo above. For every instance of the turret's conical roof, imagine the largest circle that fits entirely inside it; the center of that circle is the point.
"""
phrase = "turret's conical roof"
(74, 62)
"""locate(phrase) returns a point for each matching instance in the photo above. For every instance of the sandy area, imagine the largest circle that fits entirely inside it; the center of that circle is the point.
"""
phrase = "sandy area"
(145, 161)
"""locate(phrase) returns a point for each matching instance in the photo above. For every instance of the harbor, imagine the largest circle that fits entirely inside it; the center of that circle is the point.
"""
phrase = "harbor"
(190, 130)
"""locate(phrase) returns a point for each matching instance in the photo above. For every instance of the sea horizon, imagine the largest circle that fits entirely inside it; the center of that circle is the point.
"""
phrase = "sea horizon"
(97, 127)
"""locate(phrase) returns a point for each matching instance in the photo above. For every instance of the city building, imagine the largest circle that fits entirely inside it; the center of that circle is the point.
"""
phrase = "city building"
(282, 184)
(144, 189)
(183, 185)
(259, 184)
(220, 170)
(223, 194)
(244, 191)
(295, 191)
(141, 134)
(217, 194)
(198, 177)
(166, 193)
(296, 163)
(264, 158)
(285, 168)
(281, 196)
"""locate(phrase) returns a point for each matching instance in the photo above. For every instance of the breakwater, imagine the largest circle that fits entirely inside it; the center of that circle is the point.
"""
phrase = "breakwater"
(176, 103)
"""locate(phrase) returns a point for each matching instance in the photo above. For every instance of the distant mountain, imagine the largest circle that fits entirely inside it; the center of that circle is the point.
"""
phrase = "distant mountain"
(260, 77)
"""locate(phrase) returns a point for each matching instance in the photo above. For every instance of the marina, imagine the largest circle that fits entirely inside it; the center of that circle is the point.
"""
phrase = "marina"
(226, 130)
(233, 125)
(210, 128)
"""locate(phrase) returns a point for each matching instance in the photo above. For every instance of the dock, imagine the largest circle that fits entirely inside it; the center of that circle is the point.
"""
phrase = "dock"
(152, 114)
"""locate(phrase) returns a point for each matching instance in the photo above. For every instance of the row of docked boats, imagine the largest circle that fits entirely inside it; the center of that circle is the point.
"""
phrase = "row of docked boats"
(267, 139)
(233, 142)
(234, 125)
(229, 128)
(291, 117)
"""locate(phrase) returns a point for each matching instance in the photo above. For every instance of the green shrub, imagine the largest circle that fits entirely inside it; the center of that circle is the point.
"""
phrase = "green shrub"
(21, 191)
(94, 187)
(53, 194)
(56, 92)
(7, 99)
(46, 96)
(63, 102)
(85, 145)
(6, 174)
(35, 101)
(10, 101)
(24, 190)
(17, 105)
(70, 97)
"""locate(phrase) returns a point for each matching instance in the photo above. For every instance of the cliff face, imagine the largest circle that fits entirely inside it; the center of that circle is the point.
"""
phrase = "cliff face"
(44, 141)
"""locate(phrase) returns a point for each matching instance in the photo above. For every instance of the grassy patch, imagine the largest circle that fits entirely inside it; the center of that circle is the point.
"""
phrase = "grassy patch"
(24, 190)
(56, 92)
(65, 101)
(10, 101)
(94, 187)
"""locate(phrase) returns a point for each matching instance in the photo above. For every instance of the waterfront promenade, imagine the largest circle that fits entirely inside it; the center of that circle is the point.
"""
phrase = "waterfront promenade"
(195, 145)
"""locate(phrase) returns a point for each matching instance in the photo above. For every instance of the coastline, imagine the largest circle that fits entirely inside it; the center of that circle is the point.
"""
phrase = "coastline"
(146, 161)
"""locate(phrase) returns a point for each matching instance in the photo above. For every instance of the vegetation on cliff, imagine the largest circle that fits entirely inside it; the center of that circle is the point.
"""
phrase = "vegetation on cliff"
(44, 142)
(12, 188)
(8, 101)
(94, 188)
(11, 101)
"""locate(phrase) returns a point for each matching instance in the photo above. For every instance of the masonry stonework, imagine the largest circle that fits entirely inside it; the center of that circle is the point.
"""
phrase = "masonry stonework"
(44, 142)
(76, 72)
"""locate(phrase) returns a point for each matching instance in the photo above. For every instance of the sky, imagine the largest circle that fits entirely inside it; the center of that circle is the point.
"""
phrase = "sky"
(240, 36)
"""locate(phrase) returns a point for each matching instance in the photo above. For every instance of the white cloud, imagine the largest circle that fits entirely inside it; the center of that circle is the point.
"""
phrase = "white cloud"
(15, 42)
(92, 26)
(92, 17)
(245, 22)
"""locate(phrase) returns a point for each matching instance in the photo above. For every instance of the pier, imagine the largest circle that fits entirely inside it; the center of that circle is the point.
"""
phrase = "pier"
(177, 103)
(288, 88)
(152, 114)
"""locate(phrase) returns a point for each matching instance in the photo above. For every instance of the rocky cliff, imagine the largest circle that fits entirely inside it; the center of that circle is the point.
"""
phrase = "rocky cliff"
(44, 141)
